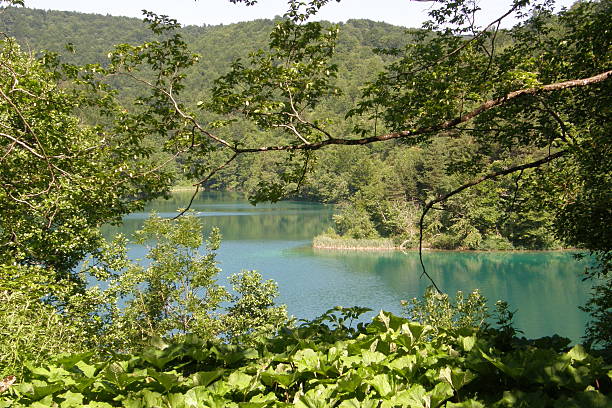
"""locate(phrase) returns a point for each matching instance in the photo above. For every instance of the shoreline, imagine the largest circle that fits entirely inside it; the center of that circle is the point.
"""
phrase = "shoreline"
(329, 244)
(396, 248)
(177, 189)
(353, 248)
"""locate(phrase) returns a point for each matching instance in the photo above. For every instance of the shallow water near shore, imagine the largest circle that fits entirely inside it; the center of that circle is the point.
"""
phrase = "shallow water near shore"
(544, 287)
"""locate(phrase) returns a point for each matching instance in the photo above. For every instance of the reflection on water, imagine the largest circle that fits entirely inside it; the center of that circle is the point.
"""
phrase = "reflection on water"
(238, 219)
(275, 239)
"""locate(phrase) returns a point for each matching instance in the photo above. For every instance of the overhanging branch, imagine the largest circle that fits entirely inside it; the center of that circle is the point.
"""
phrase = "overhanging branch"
(490, 176)
(449, 124)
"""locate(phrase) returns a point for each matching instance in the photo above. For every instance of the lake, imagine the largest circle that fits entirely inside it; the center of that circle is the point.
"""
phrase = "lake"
(275, 239)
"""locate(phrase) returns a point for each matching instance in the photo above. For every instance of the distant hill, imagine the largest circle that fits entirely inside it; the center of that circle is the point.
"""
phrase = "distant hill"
(93, 35)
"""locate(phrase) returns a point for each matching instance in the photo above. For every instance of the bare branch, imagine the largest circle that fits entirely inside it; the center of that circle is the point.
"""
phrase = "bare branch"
(201, 183)
(465, 44)
(23, 144)
(564, 131)
(180, 112)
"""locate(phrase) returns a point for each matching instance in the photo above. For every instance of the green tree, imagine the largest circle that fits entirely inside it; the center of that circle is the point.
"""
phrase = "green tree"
(544, 86)
(177, 293)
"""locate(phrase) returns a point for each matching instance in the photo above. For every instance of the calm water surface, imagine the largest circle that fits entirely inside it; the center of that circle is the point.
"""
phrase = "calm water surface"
(275, 239)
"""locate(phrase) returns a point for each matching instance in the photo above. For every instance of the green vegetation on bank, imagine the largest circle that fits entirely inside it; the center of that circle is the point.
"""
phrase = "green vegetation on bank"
(330, 241)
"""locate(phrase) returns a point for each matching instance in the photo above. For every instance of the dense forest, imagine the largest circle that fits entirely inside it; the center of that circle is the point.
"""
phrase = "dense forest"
(380, 189)
(450, 136)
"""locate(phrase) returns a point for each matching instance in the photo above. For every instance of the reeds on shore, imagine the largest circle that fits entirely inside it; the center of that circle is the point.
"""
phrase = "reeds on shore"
(366, 244)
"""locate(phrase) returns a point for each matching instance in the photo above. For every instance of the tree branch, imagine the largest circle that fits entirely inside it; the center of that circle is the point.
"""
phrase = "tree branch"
(490, 176)
(465, 44)
(201, 183)
(449, 124)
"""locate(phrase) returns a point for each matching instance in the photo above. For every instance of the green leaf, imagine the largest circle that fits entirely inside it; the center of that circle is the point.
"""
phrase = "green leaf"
(467, 343)
(88, 370)
(71, 399)
(152, 398)
(198, 397)
(158, 358)
(456, 377)
(577, 353)
(167, 380)
(96, 404)
(384, 384)
(404, 365)
(525, 399)
(591, 399)
(471, 403)
(440, 393)
(512, 372)
(37, 389)
(415, 396)
(283, 379)
(306, 360)
(205, 377)
(350, 382)
(239, 380)
(372, 357)
(68, 361)
(355, 403)
(43, 403)
(318, 397)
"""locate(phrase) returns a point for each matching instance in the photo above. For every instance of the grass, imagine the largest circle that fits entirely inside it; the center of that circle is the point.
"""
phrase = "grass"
(372, 244)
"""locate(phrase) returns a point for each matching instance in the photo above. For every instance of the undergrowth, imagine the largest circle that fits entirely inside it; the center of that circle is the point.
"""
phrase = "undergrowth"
(328, 362)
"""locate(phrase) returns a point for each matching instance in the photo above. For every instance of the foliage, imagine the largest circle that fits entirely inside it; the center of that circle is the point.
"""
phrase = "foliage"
(404, 92)
(396, 179)
(173, 295)
(599, 307)
(60, 180)
(334, 241)
(439, 311)
(31, 330)
(177, 294)
(389, 362)
(253, 312)
(532, 104)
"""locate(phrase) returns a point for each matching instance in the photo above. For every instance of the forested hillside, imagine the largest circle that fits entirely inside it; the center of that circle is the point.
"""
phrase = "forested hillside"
(92, 36)
(381, 188)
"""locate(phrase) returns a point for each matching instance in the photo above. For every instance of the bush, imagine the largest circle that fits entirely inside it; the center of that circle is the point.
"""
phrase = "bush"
(336, 242)
(32, 329)
(441, 313)
(495, 243)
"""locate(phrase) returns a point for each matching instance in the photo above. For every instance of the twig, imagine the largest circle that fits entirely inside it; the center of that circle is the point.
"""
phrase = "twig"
(464, 45)
(201, 183)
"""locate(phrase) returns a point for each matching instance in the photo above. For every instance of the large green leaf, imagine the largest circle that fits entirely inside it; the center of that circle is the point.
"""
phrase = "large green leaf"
(239, 381)
(307, 360)
(158, 358)
(384, 384)
(205, 377)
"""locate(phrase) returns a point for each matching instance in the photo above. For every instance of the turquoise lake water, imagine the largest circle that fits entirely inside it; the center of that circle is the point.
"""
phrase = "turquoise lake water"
(275, 239)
